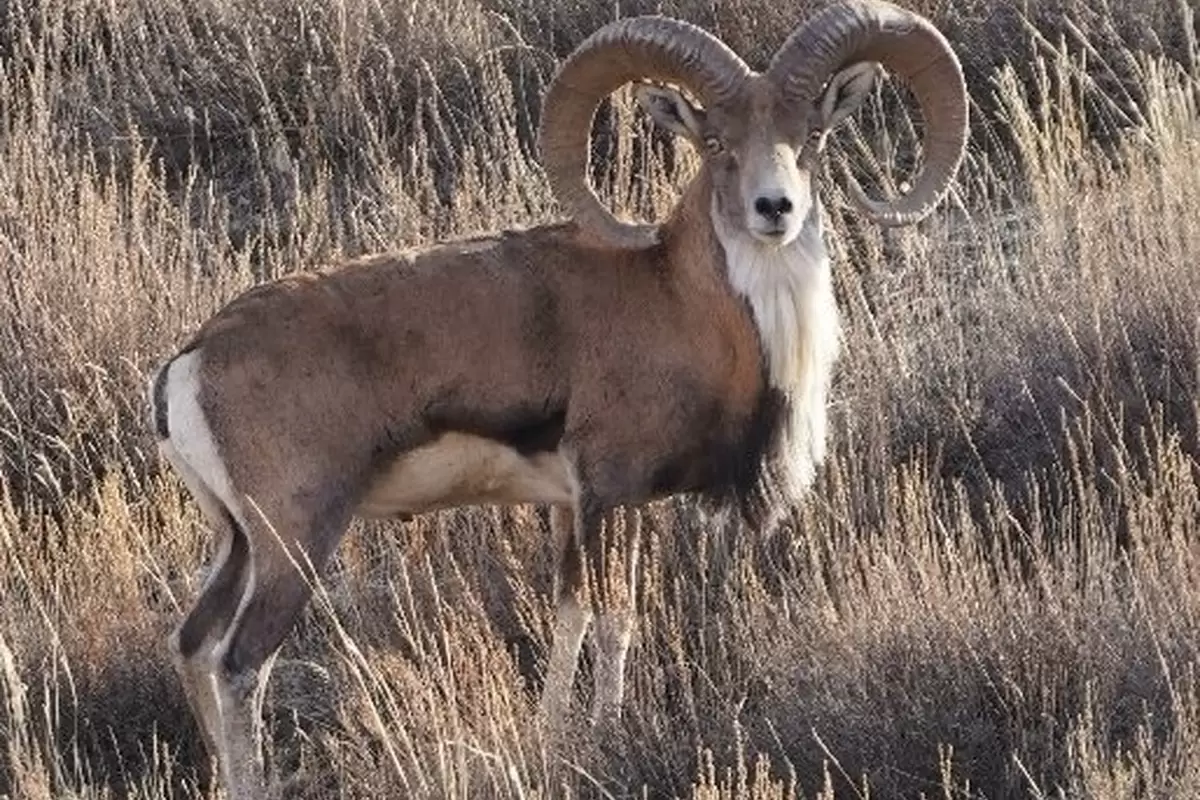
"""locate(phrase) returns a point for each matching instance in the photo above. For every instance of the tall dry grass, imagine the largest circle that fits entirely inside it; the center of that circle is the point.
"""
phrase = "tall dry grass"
(992, 592)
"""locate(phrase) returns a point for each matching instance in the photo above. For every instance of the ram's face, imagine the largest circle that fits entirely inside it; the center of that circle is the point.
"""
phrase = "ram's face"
(763, 182)
(762, 153)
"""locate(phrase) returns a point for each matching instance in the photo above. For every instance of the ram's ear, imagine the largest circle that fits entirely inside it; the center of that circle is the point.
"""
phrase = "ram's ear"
(846, 90)
(672, 110)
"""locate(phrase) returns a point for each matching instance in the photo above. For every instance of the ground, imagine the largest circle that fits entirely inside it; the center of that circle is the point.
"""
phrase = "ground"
(992, 591)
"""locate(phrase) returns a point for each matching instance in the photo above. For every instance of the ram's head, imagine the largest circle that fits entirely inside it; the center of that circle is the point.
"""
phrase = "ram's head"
(760, 134)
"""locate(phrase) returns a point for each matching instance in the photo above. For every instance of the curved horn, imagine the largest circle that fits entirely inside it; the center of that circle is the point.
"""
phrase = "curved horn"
(911, 48)
(653, 48)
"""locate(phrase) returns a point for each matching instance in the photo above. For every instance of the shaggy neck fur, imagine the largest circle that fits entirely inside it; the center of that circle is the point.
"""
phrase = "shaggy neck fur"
(790, 292)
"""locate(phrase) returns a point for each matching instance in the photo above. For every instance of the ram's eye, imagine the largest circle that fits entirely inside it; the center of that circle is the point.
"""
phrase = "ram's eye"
(714, 145)
(813, 144)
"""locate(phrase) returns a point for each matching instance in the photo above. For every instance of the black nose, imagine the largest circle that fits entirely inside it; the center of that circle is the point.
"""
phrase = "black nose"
(772, 207)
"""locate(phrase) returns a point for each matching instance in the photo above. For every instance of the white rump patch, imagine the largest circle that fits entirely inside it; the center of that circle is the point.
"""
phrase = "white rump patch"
(790, 290)
(193, 452)
(190, 445)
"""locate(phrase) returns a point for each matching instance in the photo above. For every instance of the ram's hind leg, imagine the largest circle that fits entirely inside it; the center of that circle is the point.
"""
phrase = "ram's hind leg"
(255, 590)
(192, 642)
(288, 544)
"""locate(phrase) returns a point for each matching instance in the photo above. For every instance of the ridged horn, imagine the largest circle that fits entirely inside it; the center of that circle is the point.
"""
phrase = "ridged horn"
(913, 50)
(636, 48)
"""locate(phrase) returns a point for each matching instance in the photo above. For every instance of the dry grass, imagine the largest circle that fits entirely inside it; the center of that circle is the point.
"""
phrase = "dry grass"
(994, 591)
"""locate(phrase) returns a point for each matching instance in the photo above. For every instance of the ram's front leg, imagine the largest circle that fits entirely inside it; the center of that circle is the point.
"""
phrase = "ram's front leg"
(572, 617)
(613, 588)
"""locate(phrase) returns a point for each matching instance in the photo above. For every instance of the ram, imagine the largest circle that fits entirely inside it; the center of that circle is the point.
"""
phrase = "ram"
(590, 364)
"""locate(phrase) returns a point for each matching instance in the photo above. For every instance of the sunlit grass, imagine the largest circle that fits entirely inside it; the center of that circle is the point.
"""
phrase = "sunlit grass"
(991, 592)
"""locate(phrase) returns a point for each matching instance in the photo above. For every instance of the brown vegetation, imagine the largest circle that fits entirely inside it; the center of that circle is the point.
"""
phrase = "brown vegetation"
(994, 590)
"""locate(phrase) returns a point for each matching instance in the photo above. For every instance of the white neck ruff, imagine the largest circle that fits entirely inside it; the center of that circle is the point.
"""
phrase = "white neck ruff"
(790, 291)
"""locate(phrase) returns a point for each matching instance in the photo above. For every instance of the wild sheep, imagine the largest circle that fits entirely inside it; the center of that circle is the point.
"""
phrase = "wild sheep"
(590, 364)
